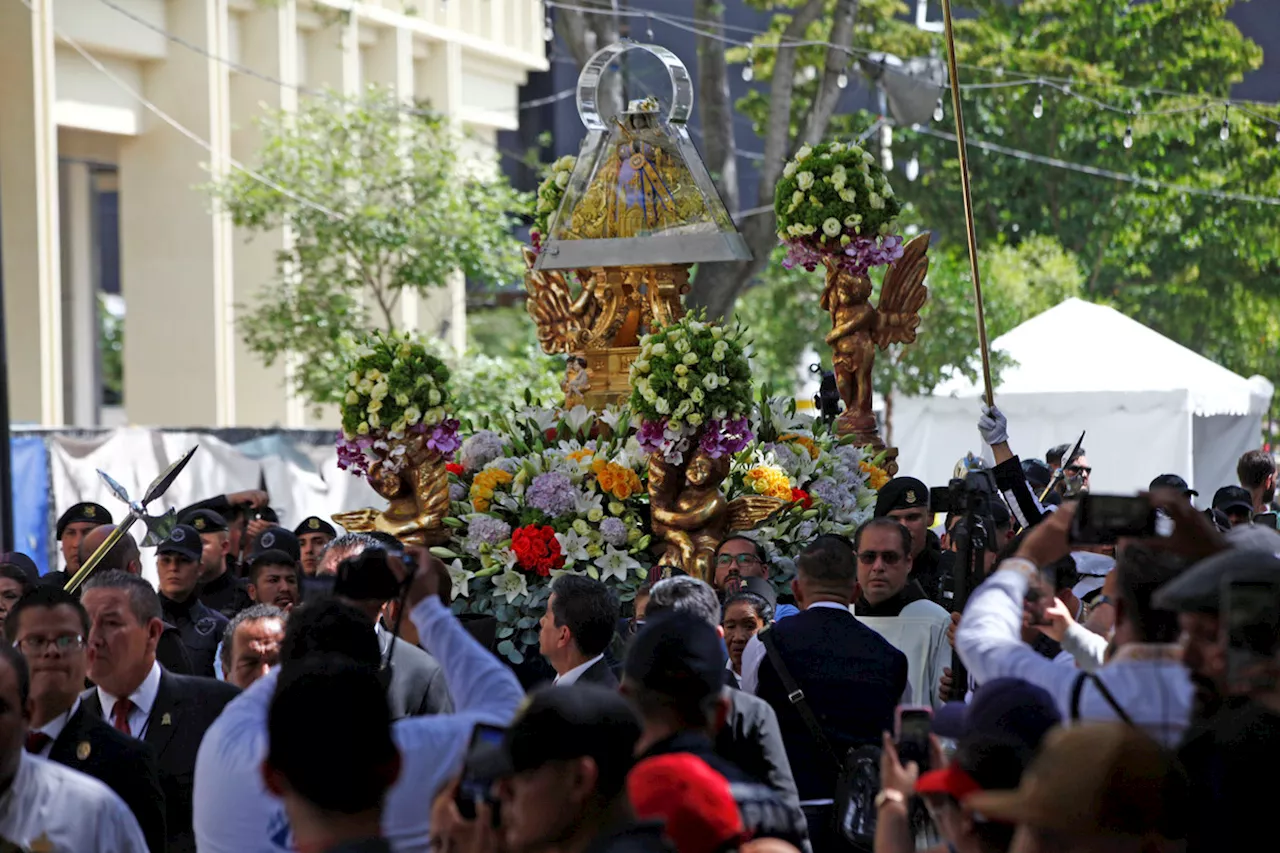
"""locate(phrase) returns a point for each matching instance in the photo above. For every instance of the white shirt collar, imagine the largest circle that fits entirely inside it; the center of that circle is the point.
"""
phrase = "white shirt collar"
(830, 604)
(54, 727)
(572, 676)
(143, 698)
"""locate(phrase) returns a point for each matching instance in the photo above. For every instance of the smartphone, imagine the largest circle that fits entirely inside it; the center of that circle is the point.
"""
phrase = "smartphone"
(476, 784)
(1252, 625)
(911, 727)
(1265, 519)
(1104, 519)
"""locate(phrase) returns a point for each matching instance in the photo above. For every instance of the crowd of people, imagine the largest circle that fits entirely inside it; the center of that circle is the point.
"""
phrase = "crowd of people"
(973, 670)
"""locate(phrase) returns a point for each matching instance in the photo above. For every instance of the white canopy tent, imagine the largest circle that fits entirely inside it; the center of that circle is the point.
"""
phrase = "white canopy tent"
(1150, 406)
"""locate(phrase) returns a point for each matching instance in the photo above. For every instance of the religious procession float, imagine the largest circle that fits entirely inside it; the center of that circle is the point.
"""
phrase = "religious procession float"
(662, 447)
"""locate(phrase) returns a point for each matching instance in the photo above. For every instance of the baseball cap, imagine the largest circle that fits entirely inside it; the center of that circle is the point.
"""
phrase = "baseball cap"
(677, 654)
(1037, 473)
(1232, 497)
(901, 493)
(22, 562)
(1172, 481)
(1008, 707)
(183, 541)
(980, 764)
(1253, 537)
(1199, 588)
(693, 801)
(561, 723)
(271, 557)
(1105, 779)
(84, 511)
(276, 539)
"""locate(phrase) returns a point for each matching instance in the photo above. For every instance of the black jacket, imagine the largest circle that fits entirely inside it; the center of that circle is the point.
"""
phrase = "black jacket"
(764, 813)
(599, 673)
(171, 652)
(751, 740)
(417, 681)
(184, 709)
(201, 629)
(226, 594)
(852, 679)
(125, 765)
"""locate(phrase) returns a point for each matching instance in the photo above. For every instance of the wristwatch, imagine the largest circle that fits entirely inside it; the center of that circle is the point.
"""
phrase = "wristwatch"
(890, 795)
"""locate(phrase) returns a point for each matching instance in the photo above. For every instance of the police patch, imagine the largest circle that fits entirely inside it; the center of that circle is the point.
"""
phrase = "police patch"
(315, 524)
(268, 540)
(205, 626)
(178, 534)
(198, 524)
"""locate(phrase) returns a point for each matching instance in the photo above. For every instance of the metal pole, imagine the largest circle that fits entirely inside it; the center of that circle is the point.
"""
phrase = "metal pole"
(968, 201)
(6, 445)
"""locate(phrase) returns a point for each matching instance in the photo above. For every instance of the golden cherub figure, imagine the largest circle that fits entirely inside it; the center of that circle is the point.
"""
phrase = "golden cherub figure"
(417, 496)
(858, 328)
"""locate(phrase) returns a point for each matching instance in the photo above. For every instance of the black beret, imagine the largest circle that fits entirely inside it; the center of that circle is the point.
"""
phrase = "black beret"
(206, 521)
(315, 524)
(85, 511)
(902, 493)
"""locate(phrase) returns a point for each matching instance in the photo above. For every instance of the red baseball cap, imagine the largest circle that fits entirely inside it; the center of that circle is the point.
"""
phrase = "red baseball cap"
(693, 800)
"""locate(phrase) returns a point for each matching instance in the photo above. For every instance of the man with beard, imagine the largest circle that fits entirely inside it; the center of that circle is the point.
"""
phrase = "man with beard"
(273, 579)
(1257, 472)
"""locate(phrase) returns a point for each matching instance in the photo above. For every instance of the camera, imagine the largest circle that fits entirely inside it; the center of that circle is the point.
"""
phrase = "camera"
(971, 497)
(368, 577)
(1103, 519)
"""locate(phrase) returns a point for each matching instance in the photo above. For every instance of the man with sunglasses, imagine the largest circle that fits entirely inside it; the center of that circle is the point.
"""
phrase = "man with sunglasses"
(739, 558)
(48, 626)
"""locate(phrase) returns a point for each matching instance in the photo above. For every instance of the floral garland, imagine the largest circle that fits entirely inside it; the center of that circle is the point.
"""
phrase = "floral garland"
(691, 377)
(396, 389)
(834, 202)
(550, 194)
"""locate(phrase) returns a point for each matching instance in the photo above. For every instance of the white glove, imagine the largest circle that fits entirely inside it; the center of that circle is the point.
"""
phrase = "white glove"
(993, 426)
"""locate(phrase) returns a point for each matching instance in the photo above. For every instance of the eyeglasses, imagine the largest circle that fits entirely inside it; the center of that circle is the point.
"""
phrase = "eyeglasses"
(740, 559)
(36, 646)
(1079, 469)
(889, 558)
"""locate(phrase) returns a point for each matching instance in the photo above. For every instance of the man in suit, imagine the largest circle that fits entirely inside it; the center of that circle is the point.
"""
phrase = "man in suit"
(417, 684)
(852, 678)
(48, 626)
(576, 629)
(139, 698)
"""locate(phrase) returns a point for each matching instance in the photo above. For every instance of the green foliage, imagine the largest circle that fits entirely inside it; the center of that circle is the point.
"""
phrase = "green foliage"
(379, 201)
(484, 385)
(691, 372)
(393, 383)
(111, 344)
(837, 191)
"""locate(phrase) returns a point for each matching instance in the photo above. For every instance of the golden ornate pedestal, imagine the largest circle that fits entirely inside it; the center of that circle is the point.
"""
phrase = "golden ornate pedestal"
(418, 501)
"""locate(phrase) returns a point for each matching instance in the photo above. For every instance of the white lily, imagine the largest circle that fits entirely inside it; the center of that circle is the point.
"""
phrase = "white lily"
(460, 578)
(574, 547)
(511, 584)
(615, 563)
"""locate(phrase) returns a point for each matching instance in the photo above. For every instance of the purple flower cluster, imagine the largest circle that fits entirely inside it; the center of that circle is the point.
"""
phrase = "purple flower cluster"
(614, 531)
(656, 437)
(721, 437)
(485, 530)
(860, 255)
(351, 454)
(553, 493)
(444, 437)
(480, 449)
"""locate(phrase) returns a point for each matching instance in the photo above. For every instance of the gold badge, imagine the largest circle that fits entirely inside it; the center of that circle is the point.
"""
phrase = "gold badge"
(166, 720)
(89, 511)
(911, 496)
(198, 524)
(315, 524)
(83, 749)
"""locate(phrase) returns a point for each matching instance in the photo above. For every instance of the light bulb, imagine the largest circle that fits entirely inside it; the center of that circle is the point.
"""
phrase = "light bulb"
(1128, 137)
(810, 73)
(912, 168)
(548, 32)
(1038, 109)
(1137, 106)
(842, 80)
(648, 28)
(1225, 133)
(748, 73)
(937, 110)
(1278, 136)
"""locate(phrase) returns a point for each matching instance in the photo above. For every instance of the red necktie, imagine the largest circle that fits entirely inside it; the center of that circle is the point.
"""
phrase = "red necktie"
(37, 741)
(120, 716)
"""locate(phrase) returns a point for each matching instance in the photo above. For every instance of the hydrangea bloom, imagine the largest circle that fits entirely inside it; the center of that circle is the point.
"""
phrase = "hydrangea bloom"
(613, 531)
(480, 449)
(485, 530)
(553, 493)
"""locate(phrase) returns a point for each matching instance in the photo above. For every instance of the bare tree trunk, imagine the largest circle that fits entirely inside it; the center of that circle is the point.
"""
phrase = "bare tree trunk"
(715, 106)
(717, 286)
(584, 34)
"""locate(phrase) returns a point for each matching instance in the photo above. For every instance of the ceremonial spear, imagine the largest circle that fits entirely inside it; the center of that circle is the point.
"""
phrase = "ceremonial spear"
(137, 512)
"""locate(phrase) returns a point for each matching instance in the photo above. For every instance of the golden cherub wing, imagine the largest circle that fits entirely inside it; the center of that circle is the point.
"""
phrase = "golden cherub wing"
(748, 511)
(356, 521)
(550, 304)
(903, 294)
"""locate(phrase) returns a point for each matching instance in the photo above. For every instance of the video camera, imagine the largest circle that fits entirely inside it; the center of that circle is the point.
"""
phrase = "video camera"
(970, 497)
(368, 577)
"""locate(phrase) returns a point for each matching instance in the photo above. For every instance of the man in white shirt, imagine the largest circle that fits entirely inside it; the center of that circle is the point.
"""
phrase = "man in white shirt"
(581, 616)
(1143, 683)
(234, 812)
(43, 805)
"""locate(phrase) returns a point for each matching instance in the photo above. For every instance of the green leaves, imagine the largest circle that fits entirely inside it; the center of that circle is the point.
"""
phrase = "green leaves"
(380, 202)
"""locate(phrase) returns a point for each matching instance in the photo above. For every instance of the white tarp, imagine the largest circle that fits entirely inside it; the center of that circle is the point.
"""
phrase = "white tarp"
(1149, 405)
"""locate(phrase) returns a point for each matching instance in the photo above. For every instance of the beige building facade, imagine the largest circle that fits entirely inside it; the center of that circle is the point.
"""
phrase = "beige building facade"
(83, 86)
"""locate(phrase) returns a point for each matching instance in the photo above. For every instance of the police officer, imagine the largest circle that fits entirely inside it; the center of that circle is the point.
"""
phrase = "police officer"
(74, 524)
(906, 500)
(220, 588)
(313, 534)
(178, 565)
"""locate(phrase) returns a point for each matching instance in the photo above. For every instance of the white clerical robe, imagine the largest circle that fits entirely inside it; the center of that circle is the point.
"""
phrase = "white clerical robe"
(54, 808)
(920, 633)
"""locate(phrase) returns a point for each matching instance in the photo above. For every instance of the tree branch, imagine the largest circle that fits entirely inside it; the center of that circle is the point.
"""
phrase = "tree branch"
(585, 34)
(777, 140)
(824, 105)
(715, 106)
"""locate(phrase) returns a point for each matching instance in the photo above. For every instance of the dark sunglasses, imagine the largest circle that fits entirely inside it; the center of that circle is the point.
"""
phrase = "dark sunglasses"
(889, 558)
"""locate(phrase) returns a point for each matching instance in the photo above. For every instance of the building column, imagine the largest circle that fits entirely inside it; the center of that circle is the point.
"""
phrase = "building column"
(29, 228)
(269, 45)
(176, 257)
(79, 294)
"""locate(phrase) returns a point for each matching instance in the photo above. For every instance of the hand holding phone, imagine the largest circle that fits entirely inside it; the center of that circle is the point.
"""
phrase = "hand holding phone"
(1104, 519)
(911, 727)
(476, 784)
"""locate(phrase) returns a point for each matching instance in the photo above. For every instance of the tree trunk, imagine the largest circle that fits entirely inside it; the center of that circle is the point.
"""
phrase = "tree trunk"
(584, 34)
(715, 107)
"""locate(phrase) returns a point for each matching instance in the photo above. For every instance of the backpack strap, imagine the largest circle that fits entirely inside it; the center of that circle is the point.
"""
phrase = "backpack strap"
(795, 696)
(1107, 697)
